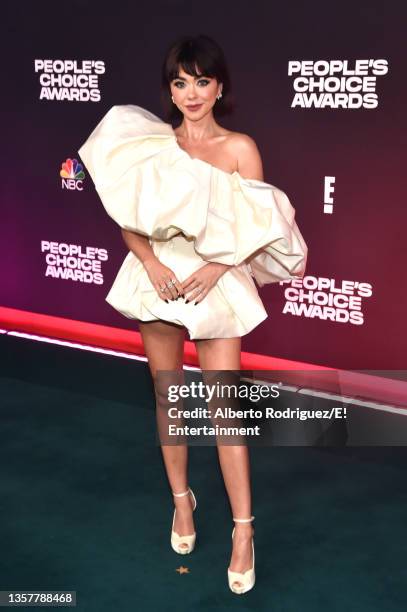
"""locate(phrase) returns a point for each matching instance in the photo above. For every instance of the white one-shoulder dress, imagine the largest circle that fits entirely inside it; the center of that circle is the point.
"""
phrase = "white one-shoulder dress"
(192, 213)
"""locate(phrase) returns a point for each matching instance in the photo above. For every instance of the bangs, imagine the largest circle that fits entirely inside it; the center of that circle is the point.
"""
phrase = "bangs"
(193, 61)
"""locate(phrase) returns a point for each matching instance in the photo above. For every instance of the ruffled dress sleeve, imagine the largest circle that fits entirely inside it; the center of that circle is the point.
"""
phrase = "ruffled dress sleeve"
(148, 184)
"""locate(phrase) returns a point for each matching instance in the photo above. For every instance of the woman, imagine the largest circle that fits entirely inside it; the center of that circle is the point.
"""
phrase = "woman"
(199, 223)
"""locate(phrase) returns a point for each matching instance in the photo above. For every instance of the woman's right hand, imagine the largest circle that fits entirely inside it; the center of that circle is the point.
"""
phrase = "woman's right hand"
(159, 276)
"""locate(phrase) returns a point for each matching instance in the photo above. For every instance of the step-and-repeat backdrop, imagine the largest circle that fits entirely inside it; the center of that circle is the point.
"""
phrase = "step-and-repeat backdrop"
(320, 88)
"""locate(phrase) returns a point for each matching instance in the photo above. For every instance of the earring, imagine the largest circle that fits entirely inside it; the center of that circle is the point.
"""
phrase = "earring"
(172, 98)
(218, 97)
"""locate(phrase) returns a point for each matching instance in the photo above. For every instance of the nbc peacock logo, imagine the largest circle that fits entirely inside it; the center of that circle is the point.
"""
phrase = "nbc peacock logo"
(72, 174)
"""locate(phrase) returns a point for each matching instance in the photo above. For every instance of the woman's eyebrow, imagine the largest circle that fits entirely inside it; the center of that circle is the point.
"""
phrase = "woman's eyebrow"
(184, 79)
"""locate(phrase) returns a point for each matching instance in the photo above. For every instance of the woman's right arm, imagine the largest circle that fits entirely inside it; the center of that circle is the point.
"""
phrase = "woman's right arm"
(157, 272)
(140, 246)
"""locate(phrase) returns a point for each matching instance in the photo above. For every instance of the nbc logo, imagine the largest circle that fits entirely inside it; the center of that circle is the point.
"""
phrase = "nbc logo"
(72, 174)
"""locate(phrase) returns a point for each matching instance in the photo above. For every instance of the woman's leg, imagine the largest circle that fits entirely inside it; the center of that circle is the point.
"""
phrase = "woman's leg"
(164, 348)
(224, 354)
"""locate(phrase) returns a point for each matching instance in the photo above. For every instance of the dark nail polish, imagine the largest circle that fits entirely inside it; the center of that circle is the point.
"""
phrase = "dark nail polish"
(186, 301)
(168, 301)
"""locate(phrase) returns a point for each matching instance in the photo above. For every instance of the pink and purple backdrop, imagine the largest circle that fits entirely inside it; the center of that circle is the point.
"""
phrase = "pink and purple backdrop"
(115, 50)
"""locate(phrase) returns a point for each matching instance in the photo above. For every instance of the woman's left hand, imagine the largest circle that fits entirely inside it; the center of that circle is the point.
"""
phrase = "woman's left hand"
(199, 283)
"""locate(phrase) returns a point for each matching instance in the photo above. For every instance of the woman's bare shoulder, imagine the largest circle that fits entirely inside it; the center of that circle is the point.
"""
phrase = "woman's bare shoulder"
(244, 148)
(240, 138)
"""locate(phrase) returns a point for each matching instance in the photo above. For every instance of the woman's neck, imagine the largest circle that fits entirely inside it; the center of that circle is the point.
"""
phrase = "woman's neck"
(196, 131)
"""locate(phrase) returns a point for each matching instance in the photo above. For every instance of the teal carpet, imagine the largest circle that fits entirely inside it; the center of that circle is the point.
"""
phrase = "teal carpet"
(85, 503)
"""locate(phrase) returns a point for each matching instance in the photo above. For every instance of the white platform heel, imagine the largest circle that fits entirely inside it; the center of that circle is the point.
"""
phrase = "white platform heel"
(183, 545)
(246, 579)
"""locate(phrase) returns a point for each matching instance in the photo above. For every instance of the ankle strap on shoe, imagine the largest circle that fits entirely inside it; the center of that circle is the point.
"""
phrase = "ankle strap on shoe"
(181, 494)
(249, 520)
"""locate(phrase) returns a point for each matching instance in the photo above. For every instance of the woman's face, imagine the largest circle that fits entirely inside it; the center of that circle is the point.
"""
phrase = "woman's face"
(194, 96)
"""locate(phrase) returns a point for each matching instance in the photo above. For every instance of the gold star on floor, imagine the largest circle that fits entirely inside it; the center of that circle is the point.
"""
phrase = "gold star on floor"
(182, 570)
